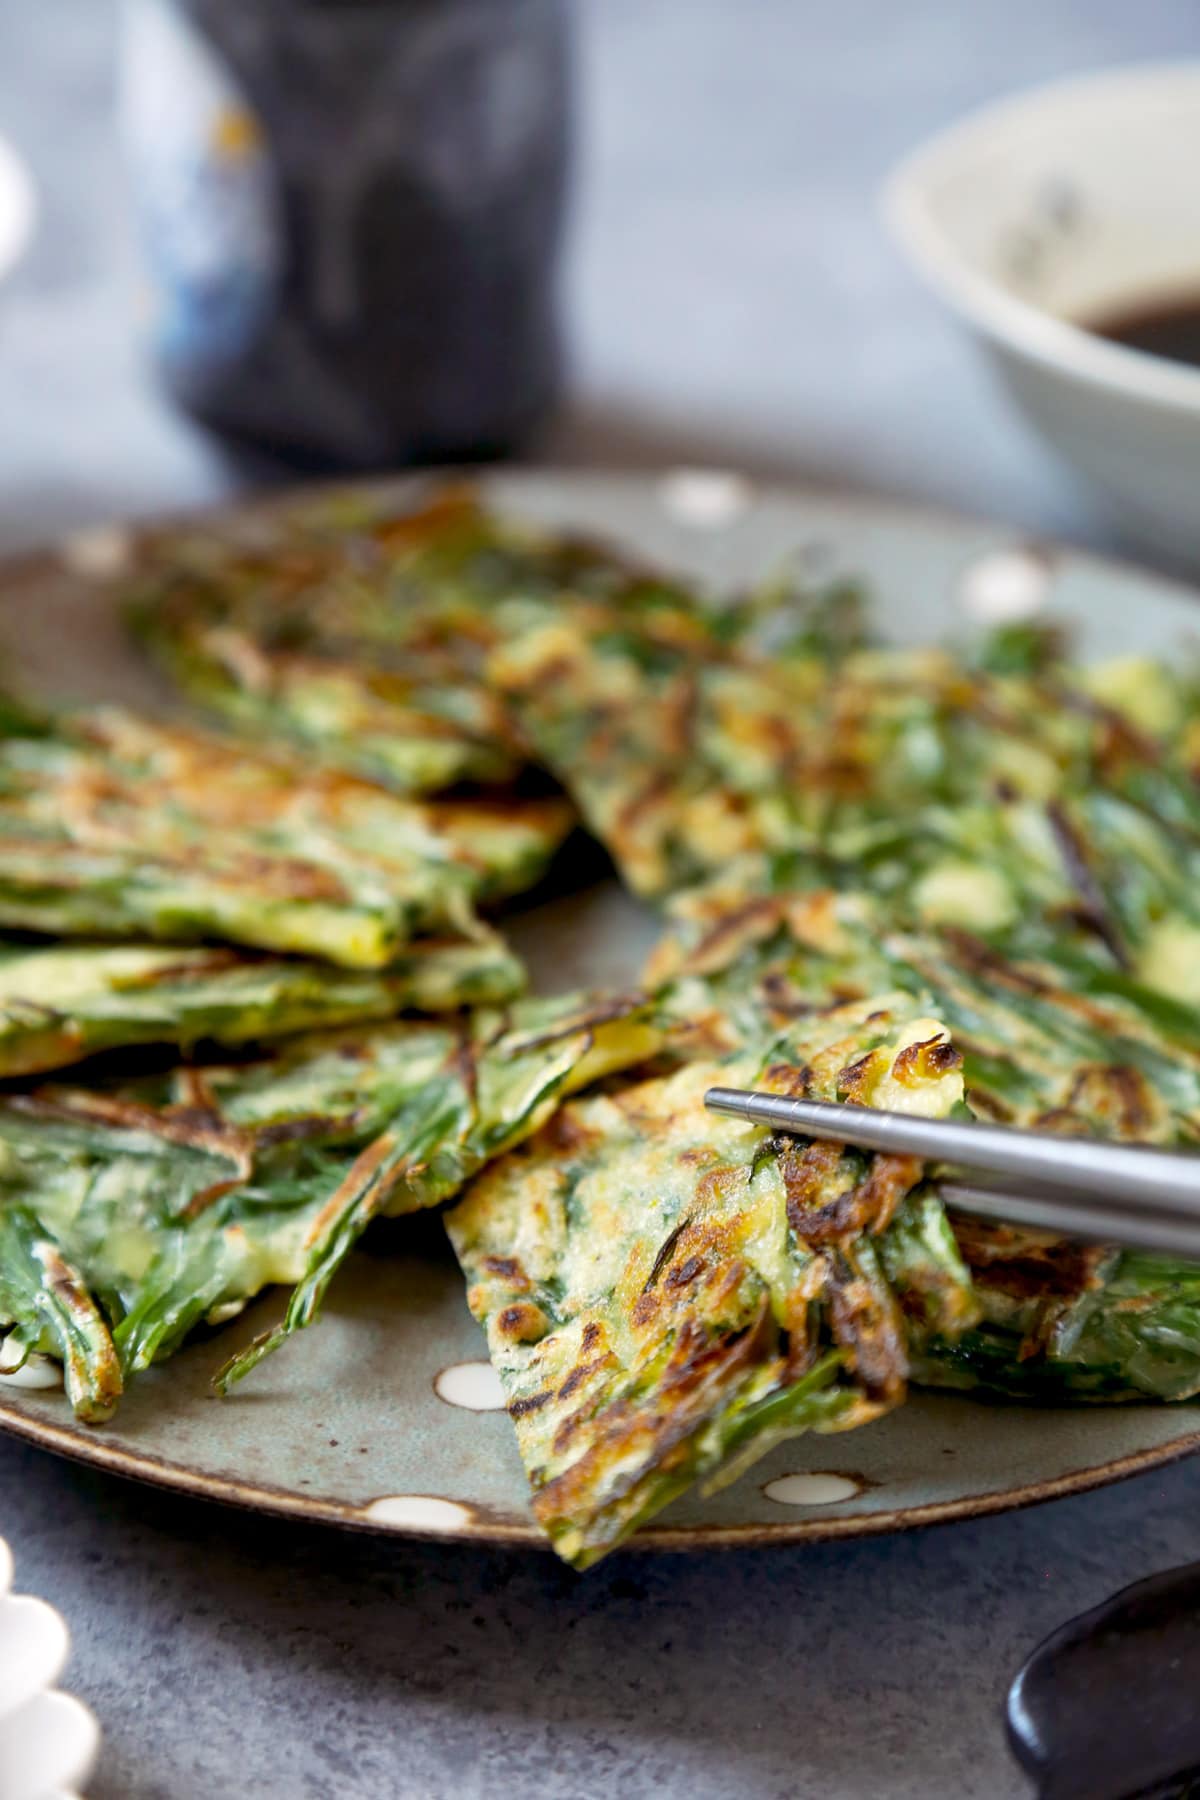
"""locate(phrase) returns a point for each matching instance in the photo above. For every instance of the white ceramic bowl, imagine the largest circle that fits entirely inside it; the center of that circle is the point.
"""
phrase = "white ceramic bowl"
(1055, 208)
(48, 1741)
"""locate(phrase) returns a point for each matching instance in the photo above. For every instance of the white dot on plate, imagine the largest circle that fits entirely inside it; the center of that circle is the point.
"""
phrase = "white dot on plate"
(422, 1512)
(38, 1372)
(811, 1490)
(1005, 587)
(99, 552)
(474, 1385)
(706, 498)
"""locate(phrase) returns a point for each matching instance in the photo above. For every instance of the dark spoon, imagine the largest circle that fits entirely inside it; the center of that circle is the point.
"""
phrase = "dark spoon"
(1108, 1707)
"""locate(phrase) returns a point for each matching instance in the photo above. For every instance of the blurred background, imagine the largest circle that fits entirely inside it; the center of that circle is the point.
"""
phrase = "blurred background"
(729, 295)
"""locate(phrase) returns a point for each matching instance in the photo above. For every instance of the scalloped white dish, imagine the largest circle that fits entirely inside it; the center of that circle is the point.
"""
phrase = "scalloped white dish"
(18, 208)
(48, 1740)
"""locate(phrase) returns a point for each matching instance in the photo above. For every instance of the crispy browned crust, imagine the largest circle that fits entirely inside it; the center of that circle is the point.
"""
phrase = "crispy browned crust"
(868, 1207)
(699, 1371)
(103, 1382)
(1024, 1263)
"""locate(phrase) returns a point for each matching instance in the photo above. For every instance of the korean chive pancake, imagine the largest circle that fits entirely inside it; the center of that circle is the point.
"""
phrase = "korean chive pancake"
(1053, 1038)
(668, 1293)
(357, 631)
(131, 1214)
(60, 1003)
(117, 826)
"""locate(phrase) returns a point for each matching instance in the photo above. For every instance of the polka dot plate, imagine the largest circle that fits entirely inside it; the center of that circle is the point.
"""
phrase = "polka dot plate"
(386, 1417)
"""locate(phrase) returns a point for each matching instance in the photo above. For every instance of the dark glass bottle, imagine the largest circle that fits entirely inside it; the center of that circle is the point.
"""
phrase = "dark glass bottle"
(351, 212)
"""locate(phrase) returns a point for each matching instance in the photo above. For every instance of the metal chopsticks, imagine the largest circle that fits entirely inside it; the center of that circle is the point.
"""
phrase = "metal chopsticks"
(1079, 1187)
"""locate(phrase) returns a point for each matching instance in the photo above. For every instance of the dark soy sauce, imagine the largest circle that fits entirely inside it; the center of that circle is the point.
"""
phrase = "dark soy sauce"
(1166, 328)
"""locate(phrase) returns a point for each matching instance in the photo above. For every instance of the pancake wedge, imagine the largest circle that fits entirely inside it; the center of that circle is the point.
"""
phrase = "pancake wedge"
(116, 826)
(1051, 1035)
(689, 737)
(447, 1103)
(130, 1215)
(150, 1218)
(350, 643)
(668, 1293)
(357, 631)
(63, 1002)
(678, 753)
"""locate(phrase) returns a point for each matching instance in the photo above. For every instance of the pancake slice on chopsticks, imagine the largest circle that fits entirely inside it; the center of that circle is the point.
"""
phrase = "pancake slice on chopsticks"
(668, 1293)
(1053, 1037)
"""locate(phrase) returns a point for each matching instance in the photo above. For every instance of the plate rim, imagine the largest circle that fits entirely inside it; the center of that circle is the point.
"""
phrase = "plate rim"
(1178, 582)
(493, 1528)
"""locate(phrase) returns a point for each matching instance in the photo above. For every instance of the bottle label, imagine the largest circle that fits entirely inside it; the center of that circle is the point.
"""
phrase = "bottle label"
(205, 189)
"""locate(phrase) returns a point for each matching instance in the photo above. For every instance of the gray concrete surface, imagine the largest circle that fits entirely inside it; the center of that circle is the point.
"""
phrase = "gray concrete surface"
(731, 299)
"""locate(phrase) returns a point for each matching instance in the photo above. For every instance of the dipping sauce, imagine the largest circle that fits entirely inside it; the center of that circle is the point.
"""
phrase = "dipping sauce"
(1167, 328)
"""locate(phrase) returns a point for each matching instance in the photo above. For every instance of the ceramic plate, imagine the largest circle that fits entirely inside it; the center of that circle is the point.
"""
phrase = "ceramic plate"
(385, 1416)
